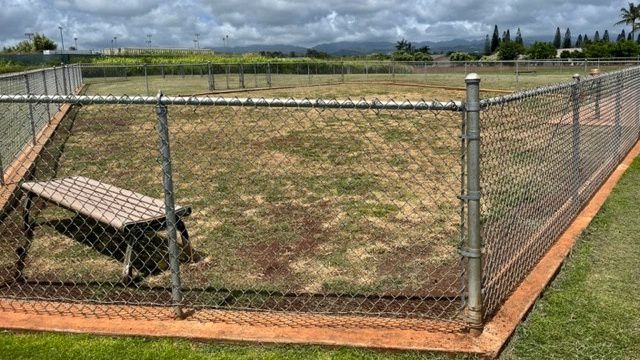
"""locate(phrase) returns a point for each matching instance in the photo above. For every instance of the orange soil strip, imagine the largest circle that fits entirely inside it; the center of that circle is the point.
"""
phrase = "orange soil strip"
(498, 331)
(21, 165)
(454, 88)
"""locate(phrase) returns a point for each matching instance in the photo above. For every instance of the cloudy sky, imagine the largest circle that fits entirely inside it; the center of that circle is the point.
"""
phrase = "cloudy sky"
(304, 23)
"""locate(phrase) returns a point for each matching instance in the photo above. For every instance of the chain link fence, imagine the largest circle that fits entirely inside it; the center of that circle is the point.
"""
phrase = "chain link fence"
(544, 154)
(280, 212)
(207, 78)
(298, 206)
(21, 124)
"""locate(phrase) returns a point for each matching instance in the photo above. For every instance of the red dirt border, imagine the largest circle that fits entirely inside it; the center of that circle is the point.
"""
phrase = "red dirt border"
(85, 318)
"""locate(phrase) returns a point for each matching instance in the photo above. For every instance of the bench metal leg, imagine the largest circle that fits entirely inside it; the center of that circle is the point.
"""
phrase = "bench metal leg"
(184, 234)
(127, 270)
(22, 251)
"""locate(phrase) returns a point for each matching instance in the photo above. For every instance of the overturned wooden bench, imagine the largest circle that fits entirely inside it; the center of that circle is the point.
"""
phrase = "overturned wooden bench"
(126, 211)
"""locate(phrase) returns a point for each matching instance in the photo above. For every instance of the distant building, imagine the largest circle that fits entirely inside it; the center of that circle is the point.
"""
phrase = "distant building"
(154, 51)
(70, 52)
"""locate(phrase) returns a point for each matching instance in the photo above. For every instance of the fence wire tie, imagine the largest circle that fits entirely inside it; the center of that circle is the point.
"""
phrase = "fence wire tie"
(472, 195)
(472, 135)
(470, 253)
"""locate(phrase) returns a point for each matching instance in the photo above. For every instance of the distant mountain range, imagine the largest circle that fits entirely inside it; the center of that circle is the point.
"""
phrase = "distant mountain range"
(354, 48)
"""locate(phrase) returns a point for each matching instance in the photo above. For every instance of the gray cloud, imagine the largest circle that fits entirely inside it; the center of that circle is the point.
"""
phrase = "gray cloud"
(96, 22)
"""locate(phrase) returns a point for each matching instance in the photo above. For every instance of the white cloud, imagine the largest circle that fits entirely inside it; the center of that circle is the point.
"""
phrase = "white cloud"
(303, 23)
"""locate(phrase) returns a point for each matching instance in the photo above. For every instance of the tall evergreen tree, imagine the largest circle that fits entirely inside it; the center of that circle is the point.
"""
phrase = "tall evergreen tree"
(622, 35)
(586, 40)
(519, 39)
(566, 41)
(630, 36)
(638, 39)
(506, 37)
(557, 40)
(495, 39)
(579, 41)
(605, 36)
(596, 36)
(487, 45)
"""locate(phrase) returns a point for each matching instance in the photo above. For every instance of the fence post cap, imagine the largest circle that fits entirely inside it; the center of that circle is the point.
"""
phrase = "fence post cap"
(472, 77)
(576, 76)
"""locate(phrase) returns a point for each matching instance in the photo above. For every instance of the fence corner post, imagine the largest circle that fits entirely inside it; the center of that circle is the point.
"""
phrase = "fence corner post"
(169, 205)
(472, 249)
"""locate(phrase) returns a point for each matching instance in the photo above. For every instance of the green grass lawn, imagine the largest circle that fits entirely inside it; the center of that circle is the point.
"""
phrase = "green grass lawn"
(589, 311)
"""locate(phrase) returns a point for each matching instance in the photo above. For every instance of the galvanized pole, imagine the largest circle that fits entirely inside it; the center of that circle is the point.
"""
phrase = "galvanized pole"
(31, 119)
(241, 74)
(162, 70)
(473, 248)
(227, 70)
(64, 80)
(255, 75)
(618, 109)
(269, 74)
(342, 72)
(517, 74)
(211, 84)
(146, 78)
(309, 73)
(169, 205)
(575, 143)
(393, 71)
(46, 91)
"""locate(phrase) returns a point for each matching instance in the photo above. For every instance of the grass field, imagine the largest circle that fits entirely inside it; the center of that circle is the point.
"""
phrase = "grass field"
(492, 79)
(589, 311)
(305, 201)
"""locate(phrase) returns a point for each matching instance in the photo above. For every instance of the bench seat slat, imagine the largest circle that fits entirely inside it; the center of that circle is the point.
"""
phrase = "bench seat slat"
(106, 203)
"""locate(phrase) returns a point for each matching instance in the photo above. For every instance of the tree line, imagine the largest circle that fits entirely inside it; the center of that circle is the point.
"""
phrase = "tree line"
(625, 44)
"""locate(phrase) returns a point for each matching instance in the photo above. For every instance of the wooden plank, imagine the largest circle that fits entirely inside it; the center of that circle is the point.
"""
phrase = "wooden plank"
(106, 203)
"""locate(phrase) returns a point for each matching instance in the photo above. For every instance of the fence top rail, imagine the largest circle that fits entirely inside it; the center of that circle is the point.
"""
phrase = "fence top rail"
(374, 104)
(523, 94)
(601, 61)
(26, 72)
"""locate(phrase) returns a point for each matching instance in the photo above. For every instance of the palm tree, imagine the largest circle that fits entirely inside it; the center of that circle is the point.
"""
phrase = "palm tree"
(629, 17)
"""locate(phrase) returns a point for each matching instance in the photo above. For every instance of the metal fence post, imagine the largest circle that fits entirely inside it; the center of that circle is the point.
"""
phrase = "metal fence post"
(227, 71)
(473, 247)
(517, 74)
(162, 70)
(575, 138)
(64, 81)
(169, 205)
(46, 92)
(269, 74)
(31, 119)
(342, 71)
(309, 73)
(618, 109)
(146, 78)
(241, 74)
(393, 71)
(211, 84)
(255, 75)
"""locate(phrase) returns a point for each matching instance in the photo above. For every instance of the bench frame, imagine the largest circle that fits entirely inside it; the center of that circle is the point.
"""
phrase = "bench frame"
(132, 234)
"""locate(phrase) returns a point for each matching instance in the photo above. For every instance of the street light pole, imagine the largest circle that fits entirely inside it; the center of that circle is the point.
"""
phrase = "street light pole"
(61, 37)
(75, 40)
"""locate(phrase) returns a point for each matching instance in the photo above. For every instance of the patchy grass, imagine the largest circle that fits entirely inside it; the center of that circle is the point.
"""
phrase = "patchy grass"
(288, 200)
(49, 346)
(591, 309)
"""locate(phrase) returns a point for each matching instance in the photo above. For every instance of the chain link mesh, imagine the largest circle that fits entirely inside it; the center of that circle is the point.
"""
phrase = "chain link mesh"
(544, 153)
(319, 207)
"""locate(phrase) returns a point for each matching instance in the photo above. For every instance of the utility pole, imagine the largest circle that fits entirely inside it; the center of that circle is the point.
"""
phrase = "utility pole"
(29, 35)
(75, 40)
(148, 40)
(61, 37)
(197, 41)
